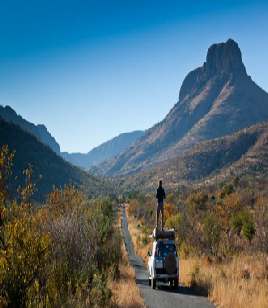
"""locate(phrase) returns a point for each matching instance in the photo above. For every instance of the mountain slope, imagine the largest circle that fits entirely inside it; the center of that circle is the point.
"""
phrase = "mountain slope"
(103, 152)
(242, 153)
(49, 169)
(39, 131)
(216, 99)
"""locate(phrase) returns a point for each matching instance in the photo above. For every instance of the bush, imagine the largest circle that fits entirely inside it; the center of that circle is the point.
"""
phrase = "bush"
(248, 230)
(242, 223)
(214, 221)
(23, 257)
(60, 254)
(212, 233)
(174, 222)
(227, 190)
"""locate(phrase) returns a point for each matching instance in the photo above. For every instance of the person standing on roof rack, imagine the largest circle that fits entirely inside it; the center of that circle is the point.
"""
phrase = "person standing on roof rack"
(160, 196)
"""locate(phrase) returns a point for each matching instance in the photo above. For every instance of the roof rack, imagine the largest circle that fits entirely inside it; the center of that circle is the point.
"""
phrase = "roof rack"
(163, 234)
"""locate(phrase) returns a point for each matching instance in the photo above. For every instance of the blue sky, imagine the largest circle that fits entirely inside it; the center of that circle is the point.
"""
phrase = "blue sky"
(92, 69)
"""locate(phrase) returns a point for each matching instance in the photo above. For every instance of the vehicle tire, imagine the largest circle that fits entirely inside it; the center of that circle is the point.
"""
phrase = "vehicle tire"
(176, 284)
(153, 283)
(149, 281)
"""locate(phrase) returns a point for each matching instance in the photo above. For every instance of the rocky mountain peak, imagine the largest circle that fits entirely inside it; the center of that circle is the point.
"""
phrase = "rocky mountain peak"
(216, 99)
(224, 57)
(223, 60)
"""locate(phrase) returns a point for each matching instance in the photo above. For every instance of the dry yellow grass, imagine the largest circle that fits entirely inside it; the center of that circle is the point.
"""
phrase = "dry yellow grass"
(240, 282)
(125, 292)
(141, 250)
(187, 267)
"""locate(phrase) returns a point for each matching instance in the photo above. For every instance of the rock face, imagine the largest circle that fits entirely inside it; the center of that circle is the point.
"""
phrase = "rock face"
(223, 60)
(215, 100)
(105, 151)
(39, 131)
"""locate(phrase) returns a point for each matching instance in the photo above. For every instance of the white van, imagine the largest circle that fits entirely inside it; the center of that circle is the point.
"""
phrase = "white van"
(163, 263)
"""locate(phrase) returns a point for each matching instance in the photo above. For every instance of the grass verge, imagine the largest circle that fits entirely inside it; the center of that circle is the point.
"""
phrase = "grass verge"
(125, 291)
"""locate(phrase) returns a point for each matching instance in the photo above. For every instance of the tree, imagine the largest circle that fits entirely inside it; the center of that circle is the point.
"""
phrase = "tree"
(212, 233)
(6, 163)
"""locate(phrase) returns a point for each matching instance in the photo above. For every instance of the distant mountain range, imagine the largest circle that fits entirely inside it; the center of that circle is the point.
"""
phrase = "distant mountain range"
(49, 169)
(105, 151)
(215, 100)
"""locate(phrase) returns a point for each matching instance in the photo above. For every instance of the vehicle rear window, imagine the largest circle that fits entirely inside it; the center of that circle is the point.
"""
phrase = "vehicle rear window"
(163, 249)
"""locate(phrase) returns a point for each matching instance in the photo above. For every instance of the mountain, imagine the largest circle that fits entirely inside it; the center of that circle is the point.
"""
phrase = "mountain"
(216, 99)
(39, 131)
(105, 151)
(242, 153)
(49, 169)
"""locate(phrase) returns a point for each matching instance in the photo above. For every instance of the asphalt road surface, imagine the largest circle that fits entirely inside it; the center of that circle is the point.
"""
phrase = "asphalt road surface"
(161, 297)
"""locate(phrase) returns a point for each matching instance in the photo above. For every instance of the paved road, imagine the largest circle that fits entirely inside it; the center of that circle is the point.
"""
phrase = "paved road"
(164, 297)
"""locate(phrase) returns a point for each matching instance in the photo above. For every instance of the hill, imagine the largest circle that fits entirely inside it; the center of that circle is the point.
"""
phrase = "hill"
(49, 169)
(242, 153)
(215, 100)
(39, 131)
(105, 151)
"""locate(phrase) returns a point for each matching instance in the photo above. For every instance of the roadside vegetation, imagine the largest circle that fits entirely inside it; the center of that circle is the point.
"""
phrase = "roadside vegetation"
(126, 293)
(63, 252)
(222, 237)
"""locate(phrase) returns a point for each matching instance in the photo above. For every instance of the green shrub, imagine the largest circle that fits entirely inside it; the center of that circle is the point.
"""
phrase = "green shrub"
(242, 223)
(212, 233)
(248, 230)
(227, 190)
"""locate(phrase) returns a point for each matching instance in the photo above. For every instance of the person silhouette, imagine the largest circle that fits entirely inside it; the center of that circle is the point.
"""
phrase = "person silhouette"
(160, 196)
